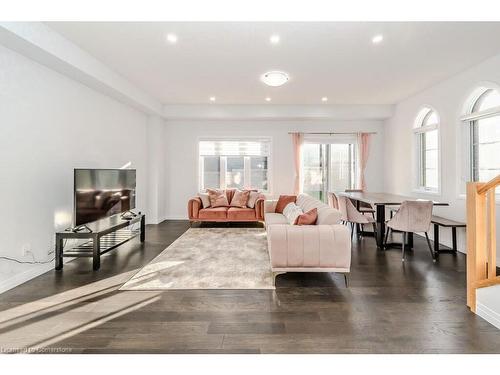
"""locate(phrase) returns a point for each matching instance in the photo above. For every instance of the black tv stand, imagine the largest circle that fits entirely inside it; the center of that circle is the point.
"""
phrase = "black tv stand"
(102, 236)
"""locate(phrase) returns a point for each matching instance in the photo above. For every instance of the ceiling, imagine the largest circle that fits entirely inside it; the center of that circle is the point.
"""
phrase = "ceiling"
(337, 60)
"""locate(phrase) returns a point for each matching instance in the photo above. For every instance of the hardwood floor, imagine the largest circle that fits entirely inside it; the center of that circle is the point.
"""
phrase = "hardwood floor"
(418, 307)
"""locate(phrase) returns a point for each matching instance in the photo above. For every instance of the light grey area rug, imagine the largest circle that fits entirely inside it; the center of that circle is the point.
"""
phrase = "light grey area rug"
(209, 258)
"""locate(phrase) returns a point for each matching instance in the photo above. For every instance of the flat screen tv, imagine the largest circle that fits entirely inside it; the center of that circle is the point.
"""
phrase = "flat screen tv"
(99, 193)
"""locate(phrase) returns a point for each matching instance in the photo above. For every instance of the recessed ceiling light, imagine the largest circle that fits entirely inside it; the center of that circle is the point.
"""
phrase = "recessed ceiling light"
(324, 99)
(172, 38)
(377, 39)
(268, 99)
(275, 78)
(274, 39)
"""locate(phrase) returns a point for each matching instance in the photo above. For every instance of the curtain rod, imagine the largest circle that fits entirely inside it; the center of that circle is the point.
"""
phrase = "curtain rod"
(332, 133)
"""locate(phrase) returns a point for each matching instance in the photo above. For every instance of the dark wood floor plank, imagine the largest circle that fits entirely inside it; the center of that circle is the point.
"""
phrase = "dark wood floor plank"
(416, 307)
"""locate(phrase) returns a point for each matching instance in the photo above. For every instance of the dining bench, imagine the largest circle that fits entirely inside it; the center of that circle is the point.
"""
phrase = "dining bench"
(439, 221)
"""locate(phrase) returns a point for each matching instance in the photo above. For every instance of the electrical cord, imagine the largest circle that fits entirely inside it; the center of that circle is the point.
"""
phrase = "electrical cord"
(34, 261)
(27, 262)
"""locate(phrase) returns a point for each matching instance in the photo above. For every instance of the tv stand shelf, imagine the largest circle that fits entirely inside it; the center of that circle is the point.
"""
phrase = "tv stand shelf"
(104, 235)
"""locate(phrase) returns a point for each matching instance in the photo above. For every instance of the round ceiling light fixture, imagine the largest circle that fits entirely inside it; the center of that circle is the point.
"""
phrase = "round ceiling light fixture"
(377, 39)
(274, 39)
(275, 78)
(171, 38)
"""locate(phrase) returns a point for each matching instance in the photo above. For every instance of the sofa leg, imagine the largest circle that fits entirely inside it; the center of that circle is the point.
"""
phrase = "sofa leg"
(275, 274)
(346, 280)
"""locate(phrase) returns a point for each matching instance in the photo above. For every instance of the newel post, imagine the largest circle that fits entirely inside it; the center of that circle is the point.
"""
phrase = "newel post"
(476, 241)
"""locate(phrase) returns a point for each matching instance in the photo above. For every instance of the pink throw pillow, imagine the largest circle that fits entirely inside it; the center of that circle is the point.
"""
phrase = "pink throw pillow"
(283, 201)
(240, 198)
(217, 198)
(309, 218)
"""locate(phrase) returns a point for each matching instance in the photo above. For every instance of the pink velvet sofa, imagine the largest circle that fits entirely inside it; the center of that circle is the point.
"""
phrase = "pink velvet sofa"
(324, 247)
(197, 213)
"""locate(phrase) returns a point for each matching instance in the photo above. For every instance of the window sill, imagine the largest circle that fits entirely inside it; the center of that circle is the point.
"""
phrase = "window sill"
(427, 192)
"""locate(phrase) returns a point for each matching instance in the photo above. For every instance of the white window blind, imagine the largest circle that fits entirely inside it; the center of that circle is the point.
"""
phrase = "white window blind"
(234, 148)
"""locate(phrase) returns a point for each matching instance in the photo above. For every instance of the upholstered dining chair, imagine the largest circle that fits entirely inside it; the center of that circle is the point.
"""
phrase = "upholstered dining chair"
(364, 208)
(412, 217)
(334, 201)
(349, 213)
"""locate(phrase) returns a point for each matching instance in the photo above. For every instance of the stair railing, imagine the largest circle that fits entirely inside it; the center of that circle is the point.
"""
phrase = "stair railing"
(481, 238)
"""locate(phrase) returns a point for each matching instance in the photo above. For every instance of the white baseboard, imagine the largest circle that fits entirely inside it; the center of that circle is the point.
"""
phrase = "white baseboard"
(488, 314)
(176, 218)
(22, 277)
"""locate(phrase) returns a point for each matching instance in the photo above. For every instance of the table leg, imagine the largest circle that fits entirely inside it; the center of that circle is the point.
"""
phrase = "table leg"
(409, 237)
(436, 239)
(59, 253)
(96, 253)
(379, 236)
(454, 238)
(143, 228)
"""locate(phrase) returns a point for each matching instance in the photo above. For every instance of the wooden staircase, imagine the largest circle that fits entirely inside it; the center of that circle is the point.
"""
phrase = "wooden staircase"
(481, 248)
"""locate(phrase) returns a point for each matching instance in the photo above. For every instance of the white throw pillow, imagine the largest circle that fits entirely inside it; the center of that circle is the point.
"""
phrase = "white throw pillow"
(205, 200)
(252, 199)
(292, 212)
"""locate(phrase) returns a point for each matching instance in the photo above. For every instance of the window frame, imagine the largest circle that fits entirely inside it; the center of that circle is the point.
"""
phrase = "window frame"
(473, 123)
(464, 150)
(325, 161)
(418, 131)
(246, 161)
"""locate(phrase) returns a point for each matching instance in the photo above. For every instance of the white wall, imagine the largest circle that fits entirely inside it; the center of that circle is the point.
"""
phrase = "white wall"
(49, 125)
(448, 99)
(157, 171)
(182, 152)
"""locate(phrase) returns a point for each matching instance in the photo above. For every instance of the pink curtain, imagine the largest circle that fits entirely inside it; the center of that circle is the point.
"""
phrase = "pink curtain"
(297, 140)
(364, 150)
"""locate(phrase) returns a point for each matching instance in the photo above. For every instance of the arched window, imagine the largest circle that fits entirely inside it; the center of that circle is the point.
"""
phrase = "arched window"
(483, 121)
(427, 150)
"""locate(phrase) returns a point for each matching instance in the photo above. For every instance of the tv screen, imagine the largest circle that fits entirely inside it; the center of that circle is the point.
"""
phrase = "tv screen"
(100, 193)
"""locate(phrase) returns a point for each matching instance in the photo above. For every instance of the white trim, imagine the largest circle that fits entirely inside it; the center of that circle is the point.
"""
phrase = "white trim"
(212, 111)
(417, 130)
(463, 134)
(474, 93)
(487, 314)
(474, 116)
(20, 278)
(425, 191)
(177, 217)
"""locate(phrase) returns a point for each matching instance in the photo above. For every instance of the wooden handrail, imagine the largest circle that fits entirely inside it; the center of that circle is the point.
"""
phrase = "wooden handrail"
(488, 282)
(491, 184)
(481, 237)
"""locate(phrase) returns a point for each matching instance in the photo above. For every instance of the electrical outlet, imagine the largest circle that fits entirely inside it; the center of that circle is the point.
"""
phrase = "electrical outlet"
(26, 249)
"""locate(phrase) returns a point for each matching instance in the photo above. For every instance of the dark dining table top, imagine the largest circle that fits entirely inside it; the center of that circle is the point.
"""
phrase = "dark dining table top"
(384, 198)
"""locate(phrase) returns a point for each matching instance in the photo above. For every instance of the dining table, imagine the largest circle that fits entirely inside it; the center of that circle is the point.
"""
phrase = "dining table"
(380, 201)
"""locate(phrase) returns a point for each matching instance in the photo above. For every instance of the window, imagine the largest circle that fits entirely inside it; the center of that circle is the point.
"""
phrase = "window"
(484, 135)
(229, 163)
(329, 165)
(427, 150)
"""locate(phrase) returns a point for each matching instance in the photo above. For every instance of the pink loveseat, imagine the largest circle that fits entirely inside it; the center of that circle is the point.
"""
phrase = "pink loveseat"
(324, 247)
(197, 213)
